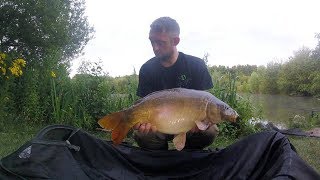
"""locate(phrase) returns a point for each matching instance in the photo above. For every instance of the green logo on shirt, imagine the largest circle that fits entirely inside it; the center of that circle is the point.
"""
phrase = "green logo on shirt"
(184, 81)
(183, 77)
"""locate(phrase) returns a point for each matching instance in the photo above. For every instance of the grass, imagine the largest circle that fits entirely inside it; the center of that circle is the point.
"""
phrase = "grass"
(308, 149)
(12, 136)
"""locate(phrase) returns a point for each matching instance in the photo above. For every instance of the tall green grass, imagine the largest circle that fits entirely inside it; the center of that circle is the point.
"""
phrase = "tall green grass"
(82, 100)
(225, 89)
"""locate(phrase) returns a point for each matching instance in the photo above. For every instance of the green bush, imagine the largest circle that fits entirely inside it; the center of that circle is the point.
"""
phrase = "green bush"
(225, 89)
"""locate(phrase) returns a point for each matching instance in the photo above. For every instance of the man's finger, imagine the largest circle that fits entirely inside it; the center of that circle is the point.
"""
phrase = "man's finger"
(137, 126)
(142, 128)
(148, 127)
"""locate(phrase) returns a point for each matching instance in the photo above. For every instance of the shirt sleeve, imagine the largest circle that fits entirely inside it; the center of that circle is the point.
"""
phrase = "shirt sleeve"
(144, 85)
(205, 78)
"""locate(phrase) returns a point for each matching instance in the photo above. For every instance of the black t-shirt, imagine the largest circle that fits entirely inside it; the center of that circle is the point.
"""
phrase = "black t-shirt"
(188, 72)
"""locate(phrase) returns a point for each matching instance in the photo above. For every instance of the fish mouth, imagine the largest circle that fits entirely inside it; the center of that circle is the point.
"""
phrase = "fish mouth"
(237, 119)
(231, 115)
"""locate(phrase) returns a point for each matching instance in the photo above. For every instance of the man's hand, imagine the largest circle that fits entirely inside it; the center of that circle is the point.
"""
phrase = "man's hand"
(145, 128)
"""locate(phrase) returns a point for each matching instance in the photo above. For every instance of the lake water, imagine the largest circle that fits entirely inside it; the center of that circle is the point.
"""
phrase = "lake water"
(280, 108)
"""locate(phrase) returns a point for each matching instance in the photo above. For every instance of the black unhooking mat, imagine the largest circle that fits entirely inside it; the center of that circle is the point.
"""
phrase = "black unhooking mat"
(64, 152)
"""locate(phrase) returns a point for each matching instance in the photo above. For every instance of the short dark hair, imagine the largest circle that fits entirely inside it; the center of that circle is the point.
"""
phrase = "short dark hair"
(165, 24)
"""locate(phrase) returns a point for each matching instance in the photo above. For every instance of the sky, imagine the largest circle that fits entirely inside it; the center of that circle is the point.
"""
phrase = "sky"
(232, 32)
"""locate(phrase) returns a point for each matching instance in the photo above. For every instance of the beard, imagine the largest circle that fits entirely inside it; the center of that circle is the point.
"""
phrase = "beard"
(165, 57)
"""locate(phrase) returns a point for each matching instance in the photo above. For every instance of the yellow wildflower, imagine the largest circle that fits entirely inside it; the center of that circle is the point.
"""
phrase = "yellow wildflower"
(16, 68)
(2, 64)
(3, 70)
(2, 56)
(53, 74)
(16, 71)
(20, 62)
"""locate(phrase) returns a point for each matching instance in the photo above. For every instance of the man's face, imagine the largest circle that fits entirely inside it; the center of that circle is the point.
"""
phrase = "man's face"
(163, 45)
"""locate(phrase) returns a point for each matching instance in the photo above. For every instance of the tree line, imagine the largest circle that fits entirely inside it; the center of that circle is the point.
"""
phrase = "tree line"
(299, 75)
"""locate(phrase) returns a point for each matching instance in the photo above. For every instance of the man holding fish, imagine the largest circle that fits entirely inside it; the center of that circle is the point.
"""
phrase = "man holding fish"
(171, 87)
(171, 69)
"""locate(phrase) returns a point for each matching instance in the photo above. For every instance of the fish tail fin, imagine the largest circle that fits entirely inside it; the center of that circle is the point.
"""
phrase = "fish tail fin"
(111, 121)
(118, 124)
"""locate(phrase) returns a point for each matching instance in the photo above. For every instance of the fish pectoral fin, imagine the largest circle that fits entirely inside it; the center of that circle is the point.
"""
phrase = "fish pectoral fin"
(202, 125)
(119, 133)
(179, 141)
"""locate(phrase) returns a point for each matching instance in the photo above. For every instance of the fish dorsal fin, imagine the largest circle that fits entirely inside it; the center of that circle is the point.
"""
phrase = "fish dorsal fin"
(138, 101)
(202, 125)
(179, 141)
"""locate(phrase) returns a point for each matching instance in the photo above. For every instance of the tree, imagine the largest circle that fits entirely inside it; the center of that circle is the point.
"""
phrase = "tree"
(269, 78)
(91, 68)
(316, 51)
(47, 34)
(246, 70)
(206, 58)
(294, 77)
(254, 82)
(33, 28)
(315, 86)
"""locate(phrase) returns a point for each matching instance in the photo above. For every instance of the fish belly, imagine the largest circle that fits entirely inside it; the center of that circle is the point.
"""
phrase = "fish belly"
(174, 125)
(175, 120)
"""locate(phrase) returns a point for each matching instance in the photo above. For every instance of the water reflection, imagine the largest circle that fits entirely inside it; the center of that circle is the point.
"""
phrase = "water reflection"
(280, 108)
